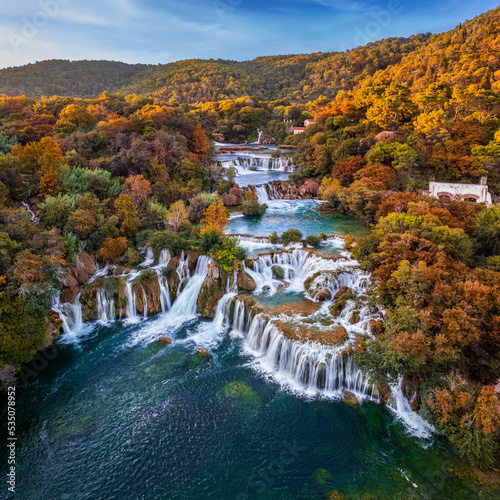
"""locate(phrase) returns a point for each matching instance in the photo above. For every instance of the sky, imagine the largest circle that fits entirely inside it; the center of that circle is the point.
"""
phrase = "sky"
(154, 31)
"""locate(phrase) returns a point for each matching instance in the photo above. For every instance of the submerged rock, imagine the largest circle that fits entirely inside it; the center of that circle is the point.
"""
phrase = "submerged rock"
(350, 398)
(240, 392)
(165, 340)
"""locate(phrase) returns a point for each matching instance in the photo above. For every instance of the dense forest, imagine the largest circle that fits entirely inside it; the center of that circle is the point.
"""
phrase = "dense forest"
(113, 173)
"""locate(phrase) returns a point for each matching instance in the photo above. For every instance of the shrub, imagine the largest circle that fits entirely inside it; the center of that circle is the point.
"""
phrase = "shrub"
(274, 238)
(313, 241)
(230, 255)
(253, 207)
(168, 271)
(292, 235)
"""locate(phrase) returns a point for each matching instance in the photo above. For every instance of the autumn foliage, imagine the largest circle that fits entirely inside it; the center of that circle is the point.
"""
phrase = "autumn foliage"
(113, 249)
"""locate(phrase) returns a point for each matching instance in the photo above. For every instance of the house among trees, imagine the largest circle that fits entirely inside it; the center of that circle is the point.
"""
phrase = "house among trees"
(474, 192)
(299, 130)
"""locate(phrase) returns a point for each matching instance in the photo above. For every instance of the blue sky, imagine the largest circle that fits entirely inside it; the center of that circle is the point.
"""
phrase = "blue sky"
(153, 31)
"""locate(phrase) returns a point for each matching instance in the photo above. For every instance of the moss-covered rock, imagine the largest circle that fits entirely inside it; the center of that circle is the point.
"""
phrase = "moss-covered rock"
(278, 272)
(240, 392)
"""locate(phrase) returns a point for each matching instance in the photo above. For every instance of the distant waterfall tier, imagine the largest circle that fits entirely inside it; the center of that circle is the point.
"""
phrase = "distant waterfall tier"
(305, 367)
(248, 164)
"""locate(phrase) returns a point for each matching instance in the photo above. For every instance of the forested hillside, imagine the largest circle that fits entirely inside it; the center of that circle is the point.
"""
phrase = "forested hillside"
(67, 78)
(465, 55)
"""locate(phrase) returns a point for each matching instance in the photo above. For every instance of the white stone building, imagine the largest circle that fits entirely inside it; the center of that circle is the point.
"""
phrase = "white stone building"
(477, 192)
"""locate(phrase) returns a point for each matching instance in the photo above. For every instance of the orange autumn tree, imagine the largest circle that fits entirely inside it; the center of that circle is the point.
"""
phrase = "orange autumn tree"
(215, 219)
(201, 145)
(138, 189)
(113, 249)
(44, 158)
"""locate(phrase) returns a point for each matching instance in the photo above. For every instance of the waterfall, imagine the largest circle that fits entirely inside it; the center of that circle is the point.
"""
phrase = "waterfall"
(252, 162)
(297, 266)
(163, 261)
(261, 192)
(415, 424)
(239, 317)
(71, 315)
(105, 307)
(131, 302)
(183, 271)
(185, 305)
(332, 282)
(183, 310)
(164, 258)
(150, 258)
(144, 303)
(34, 218)
(307, 367)
(260, 131)
(165, 301)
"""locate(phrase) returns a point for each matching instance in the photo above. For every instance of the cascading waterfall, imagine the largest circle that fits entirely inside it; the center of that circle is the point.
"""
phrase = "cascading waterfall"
(105, 307)
(34, 218)
(260, 131)
(308, 367)
(164, 258)
(71, 315)
(248, 164)
(402, 407)
(131, 302)
(183, 271)
(207, 334)
(262, 194)
(150, 258)
(165, 300)
(163, 261)
(239, 317)
(185, 305)
(297, 265)
(144, 303)
(332, 282)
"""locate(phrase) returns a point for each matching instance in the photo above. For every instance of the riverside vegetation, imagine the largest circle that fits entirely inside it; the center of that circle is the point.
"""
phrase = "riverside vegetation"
(113, 174)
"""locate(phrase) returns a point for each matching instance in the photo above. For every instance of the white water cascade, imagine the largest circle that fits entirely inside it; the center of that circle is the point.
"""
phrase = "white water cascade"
(164, 258)
(260, 131)
(144, 303)
(402, 407)
(105, 307)
(34, 218)
(71, 315)
(183, 270)
(297, 266)
(208, 334)
(262, 194)
(306, 367)
(150, 258)
(165, 299)
(131, 302)
(185, 304)
(252, 162)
